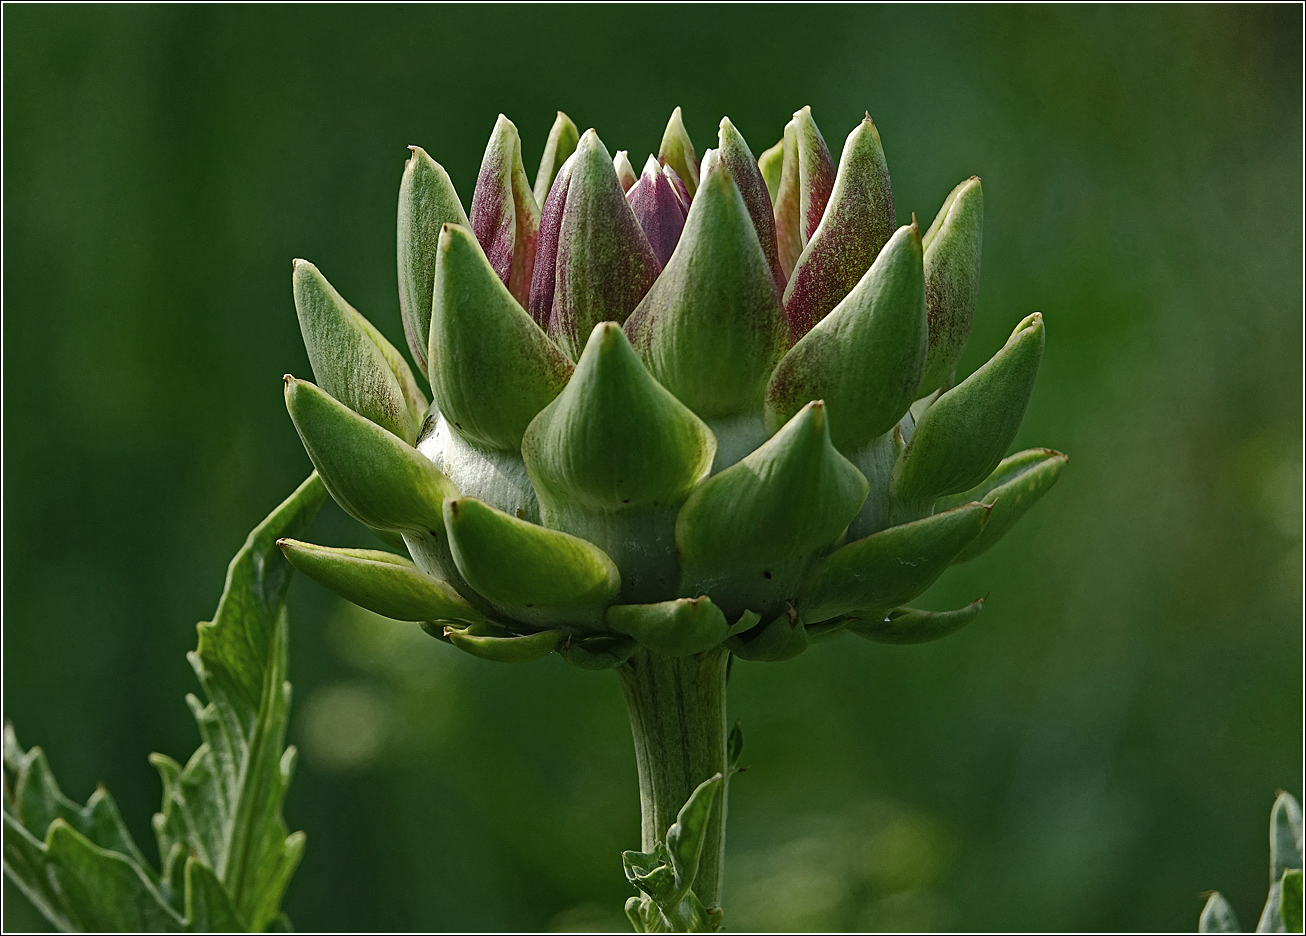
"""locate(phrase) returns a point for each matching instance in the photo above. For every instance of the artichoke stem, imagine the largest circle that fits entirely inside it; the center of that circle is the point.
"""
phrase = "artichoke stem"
(678, 717)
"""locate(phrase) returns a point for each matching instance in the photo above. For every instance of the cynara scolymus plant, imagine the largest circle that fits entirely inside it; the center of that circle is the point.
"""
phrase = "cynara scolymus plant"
(704, 412)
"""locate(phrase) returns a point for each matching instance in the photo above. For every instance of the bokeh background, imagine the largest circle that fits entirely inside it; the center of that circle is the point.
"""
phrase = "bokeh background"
(1098, 749)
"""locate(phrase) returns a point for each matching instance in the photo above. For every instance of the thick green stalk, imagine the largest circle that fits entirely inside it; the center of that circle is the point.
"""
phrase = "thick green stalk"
(678, 717)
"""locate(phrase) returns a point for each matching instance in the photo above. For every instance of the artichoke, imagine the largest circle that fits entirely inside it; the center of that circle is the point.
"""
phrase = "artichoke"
(703, 412)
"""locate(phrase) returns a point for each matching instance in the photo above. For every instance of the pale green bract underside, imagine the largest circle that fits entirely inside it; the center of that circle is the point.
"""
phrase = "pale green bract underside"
(227, 857)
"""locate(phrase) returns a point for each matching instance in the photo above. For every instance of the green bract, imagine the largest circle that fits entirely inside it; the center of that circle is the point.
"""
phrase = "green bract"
(682, 410)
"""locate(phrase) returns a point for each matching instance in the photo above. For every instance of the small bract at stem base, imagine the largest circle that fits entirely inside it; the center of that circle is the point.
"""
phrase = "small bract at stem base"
(678, 718)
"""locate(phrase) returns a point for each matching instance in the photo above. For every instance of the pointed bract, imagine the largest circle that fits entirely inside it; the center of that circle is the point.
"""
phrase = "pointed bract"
(866, 357)
(788, 201)
(738, 158)
(889, 568)
(626, 174)
(427, 201)
(563, 137)
(492, 367)
(1014, 487)
(677, 151)
(388, 584)
(715, 304)
(675, 628)
(351, 360)
(856, 223)
(523, 648)
(746, 536)
(910, 626)
(543, 279)
(504, 214)
(963, 435)
(816, 173)
(658, 208)
(952, 275)
(615, 438)
(771, 165)
(604, 263)
(782, 639)
(376, 477)
(542, 577)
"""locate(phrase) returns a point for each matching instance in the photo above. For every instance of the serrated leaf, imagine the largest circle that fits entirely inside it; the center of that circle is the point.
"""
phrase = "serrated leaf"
(225, 805)
(208, 906)
(1217, 916)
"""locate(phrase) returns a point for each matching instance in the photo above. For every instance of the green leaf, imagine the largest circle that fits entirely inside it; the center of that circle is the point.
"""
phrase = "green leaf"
(909, 625)
(427, 201)
(383, 582)
(492, 368)
(1290, 901)
(504, 213)
(855, 224)
(376, 477)
(747, 536)
(208, 907)
(685, 837)
(351, 360)
(675, 628)
(714, 303)
(677, 151)
(735, 745)
(508, 649)
(563, 137)
(542, 577)
(224, 807)
(952, 276)
(1217, 916)
(1014, 487)
(865, 358)
(963, 435)
(890, 567)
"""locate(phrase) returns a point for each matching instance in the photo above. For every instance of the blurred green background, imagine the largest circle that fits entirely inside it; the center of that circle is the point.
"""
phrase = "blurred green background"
(1099, 748)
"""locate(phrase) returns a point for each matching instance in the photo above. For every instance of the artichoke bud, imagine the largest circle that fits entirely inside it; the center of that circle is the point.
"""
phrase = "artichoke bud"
(857, 222)
(1012, 489)
(963, 435)
(427, 201)
(746, 536)
(492, 367)
(504, 215)
(351, 360)
(383, 582)
(738, 159)
(376, 477)
(625, 171)
(561, 143)
(541, 577)
(675, 628)
(714, 302)
(782, 639)
(658, 208)
(771, 165)
(677, 151)
(510, 648)
(909, 625)
(952, 274)
(604, 264)
(888, 568)
(866, 357)
(787, 203)
(615, 439)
